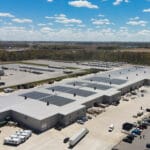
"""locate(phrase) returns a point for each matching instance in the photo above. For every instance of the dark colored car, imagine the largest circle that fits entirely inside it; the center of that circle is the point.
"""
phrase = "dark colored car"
(136, 131)
(66, 139)
(127, 126)
(147, 145)
(148, 109)
(131, 137)
(127, 140)
(142, 126)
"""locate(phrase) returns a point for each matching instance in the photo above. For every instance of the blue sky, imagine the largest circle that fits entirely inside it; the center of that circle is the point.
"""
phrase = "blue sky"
(75, 20)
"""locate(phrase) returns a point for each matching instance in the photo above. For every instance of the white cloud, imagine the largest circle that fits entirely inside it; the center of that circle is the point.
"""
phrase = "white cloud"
(146, 10)
(46, 29)
(101, 15)
(41, 24)
(22, 20)
(62, 18)
(118, 2)
(69, 34)
(104, 21)
(82, 3)
(144, 32)
(13, 28)
(6, 15)
(50, 0)
(136, 22)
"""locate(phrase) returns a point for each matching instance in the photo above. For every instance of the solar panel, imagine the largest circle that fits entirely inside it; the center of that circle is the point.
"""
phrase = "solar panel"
(77, 83)
(52, 99)
(90, 85)
(59, 88)
(107, 80)
(57, 100)
(99, 86)
(99, 79)
(80, 92)
(118, 81)
(35, 95)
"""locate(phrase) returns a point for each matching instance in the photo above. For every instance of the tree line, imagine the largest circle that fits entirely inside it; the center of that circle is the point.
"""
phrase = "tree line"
(142, 58)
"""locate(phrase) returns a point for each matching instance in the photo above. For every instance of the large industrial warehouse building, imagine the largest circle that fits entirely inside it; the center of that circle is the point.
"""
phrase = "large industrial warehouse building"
(41, 108)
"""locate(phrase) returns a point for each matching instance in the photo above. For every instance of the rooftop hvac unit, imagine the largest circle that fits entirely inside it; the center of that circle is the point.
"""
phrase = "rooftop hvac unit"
(47, 103)
(25, 97)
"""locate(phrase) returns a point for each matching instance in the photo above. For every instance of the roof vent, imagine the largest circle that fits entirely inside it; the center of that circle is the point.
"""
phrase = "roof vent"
(47, 103)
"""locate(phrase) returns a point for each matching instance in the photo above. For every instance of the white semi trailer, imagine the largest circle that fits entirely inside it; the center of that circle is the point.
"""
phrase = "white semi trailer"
(77, 137)
(12, 141)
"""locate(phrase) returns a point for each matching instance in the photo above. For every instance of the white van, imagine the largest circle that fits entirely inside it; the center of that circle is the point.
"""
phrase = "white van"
(12, 141)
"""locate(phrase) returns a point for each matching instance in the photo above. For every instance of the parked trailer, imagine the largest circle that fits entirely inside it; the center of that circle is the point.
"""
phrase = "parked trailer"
(23, 138)
(77, 137)
(27, 135)
(26, 131)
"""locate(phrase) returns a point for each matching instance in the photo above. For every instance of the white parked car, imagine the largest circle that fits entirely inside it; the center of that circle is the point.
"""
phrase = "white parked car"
(111, 128)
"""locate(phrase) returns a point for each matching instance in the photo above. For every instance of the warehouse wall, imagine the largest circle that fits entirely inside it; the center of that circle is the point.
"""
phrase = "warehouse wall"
(91, 102)
(26, 121)
(132, 87)
(113, 98)
(49, 123)
(1, 72)
(147, 82)
(72, 117)
(3, 115)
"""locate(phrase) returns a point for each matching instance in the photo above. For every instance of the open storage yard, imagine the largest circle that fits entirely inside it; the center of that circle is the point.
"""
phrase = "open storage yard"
(17, 74)
(34, 71)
